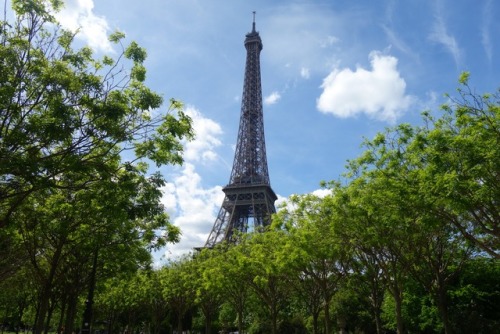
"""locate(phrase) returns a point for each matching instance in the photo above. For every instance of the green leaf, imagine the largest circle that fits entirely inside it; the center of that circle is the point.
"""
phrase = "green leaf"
(116, 36)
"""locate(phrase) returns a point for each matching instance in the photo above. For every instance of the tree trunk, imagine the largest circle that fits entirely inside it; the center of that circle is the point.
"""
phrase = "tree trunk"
(398, 299)
(179, 322)
(376, 302)
(274, 322)
(70, 314)
(21, 308)
(60, 329)
(50, 311)
(208, 322)
(378, 321)
(42, 309)
(442, 304)
(341, 322)
(87, 315)
(47, 287)
(315, 323)
(328, 329)
(240, 320)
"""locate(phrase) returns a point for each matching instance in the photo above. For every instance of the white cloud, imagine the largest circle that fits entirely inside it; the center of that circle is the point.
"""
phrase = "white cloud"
(379, 92)
(284, 203)
(329, 41)
(202, 148)
(192, 208)
(485, 30)
(78, 14)
(305, 73)
(440, 35)
(272, 99)
(322, 193)
(399, 43)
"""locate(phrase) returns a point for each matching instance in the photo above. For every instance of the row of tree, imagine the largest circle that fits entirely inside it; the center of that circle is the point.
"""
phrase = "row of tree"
(407, 243)
(78, 203)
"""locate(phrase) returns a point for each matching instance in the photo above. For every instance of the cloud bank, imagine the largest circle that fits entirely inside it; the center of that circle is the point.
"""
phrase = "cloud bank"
(192, 207)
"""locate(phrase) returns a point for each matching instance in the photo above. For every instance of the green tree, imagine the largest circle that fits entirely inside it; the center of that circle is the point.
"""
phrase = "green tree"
(370, 226)
(447, 170)
(463, 165)
(179, 288)
(209, 285)
(259, 261)
(432, 251)
(223, 273)
(475, 296)
(312, 251)
(68, 203)
(63, 111)
(122, 217)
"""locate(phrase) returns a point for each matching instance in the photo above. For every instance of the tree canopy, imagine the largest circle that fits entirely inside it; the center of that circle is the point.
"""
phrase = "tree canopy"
(79, 202)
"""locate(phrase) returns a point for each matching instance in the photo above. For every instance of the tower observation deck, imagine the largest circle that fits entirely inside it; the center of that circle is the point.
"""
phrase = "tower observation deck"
(249, 200)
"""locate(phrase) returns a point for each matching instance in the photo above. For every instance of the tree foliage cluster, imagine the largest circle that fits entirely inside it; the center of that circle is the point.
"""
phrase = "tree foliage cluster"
(78, 201)
(408, 243)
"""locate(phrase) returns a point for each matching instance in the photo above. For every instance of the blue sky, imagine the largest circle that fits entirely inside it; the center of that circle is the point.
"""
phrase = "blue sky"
(333, 73)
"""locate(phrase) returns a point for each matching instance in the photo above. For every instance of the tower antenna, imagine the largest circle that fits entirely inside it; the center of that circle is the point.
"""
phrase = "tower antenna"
(253, 25)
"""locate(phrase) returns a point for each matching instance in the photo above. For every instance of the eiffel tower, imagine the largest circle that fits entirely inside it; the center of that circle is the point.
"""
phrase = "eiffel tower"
(249, 199)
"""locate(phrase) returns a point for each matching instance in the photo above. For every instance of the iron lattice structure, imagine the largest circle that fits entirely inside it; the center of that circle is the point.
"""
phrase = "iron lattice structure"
(249, 199)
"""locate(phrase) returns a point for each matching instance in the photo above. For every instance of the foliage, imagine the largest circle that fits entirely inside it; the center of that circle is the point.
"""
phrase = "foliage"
(67, 114)
(73, 212)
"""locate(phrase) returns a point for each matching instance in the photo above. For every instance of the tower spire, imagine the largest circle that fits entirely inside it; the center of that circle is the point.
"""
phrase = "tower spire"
(253, 24)
(249, 200)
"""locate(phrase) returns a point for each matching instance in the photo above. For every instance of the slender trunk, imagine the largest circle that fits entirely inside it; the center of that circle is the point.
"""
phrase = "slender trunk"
(442, 304)
(376, 302)
(158, 316)
(398, 299)
(378, 321)
(87, 315)
(208, 319)
(180, 315)
(111, 322)
(240, 320)
(179, 324)
(47, 287)
(50, 311)
(22, 307)
(341, 322)
(42, 309)
(60, 328)
(315, 322)
(274, 320)
(237, 299)
(70, 314)
(37, 312)
(327, 317)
